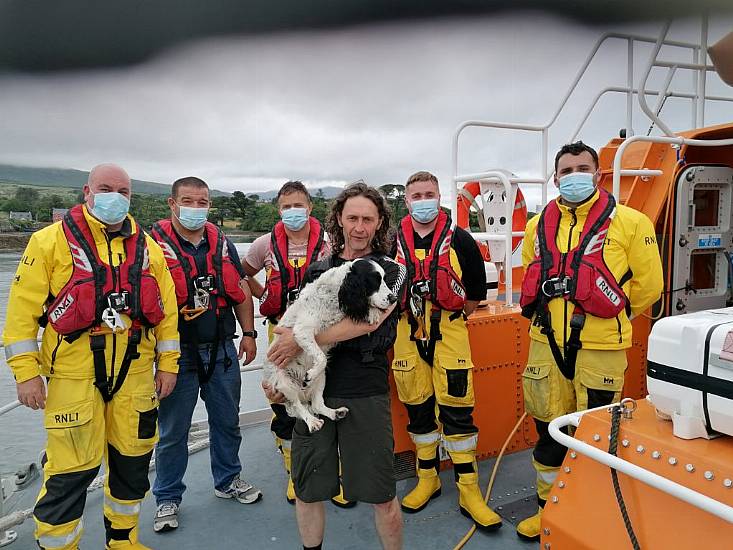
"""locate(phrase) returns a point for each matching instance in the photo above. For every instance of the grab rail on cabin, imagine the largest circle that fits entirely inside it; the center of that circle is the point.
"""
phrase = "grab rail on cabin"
(700, 68)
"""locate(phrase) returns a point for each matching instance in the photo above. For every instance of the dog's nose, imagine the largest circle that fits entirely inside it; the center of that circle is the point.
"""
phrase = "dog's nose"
(391, 298)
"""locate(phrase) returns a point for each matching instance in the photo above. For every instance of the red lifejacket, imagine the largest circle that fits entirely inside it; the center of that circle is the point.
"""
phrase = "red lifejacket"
(579, 276)
(434, 277)
(284, 279)
(221, 279)
(95, 286)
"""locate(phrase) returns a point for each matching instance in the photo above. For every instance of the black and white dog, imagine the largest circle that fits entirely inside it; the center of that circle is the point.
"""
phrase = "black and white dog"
(355, 290)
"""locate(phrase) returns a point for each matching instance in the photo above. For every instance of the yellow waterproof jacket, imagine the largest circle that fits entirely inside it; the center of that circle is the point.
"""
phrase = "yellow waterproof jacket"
(44, 269)
(630, 244)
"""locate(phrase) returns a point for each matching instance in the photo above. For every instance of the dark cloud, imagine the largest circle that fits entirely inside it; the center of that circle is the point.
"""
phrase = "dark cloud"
(372, 102)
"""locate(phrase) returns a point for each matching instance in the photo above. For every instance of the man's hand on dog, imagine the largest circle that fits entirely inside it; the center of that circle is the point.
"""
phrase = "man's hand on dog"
(284, 349)
(272, 394)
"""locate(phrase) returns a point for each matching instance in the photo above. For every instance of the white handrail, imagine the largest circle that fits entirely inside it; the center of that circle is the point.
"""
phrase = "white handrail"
(642, 86)
(9, 407)
(632, 91)
(675, 140)
(509, 205)
(676, 490)
(699, 66)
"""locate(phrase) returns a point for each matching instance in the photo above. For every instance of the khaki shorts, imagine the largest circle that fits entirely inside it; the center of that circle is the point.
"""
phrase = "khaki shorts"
(366, 447)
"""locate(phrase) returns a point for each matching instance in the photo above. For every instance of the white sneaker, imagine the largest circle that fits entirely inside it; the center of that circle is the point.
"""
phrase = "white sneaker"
(166, 517)
(244, 492)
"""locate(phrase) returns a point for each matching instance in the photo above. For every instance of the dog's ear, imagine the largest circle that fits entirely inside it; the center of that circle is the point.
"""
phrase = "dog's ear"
(353, 297)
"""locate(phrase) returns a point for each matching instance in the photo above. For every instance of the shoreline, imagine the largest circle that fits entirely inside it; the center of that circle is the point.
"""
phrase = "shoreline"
(17, 241)
(14, 241)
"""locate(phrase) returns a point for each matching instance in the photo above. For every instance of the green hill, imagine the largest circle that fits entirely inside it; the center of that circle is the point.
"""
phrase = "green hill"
(72, 179)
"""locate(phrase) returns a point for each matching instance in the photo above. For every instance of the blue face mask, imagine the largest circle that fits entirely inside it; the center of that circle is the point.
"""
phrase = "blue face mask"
(294, 218)
(192, 218)
(576, 187)
(110, 208)
(424, 211)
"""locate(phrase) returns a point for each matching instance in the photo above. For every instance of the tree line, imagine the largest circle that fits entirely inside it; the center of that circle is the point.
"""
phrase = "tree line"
(247, 211)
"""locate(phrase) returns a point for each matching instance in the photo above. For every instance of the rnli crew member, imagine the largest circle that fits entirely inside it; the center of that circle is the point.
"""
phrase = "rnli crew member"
(211, 291)
(357, 378)
(285, 253)
(585, 245)
(102, 289)
(432, 356)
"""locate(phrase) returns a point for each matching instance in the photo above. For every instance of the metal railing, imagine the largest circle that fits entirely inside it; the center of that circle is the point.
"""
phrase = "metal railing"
(698, 98)
(507, 236)
(672, 488)
(618, 172)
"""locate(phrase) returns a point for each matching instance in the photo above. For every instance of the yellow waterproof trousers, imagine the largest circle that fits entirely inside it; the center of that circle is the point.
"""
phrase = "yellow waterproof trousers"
(444, 388)
(82, 430)
(598, 380)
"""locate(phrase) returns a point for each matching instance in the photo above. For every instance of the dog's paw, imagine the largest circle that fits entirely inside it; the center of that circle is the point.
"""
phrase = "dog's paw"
(374, 316)
(341, 412)
(314, 425)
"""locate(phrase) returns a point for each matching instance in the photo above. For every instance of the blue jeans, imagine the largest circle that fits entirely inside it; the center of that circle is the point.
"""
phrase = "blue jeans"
(221, 396)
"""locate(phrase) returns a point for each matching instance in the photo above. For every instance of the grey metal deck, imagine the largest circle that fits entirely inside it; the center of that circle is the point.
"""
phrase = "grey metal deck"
(213, 523)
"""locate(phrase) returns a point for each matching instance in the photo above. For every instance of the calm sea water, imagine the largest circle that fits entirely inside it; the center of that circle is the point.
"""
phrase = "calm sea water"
(21, 430)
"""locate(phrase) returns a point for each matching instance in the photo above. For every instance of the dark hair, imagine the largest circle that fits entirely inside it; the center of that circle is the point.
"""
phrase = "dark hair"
(336, 232)
(189, 181)
(421, 176)
(293, 187)
(575, 149)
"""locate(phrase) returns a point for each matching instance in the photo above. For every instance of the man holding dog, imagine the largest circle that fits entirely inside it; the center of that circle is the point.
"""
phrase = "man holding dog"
(357, 379)
(211, 293)
(432, 355)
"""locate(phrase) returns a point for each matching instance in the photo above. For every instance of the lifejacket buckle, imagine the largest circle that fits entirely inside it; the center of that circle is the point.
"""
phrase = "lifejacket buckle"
(420, 288)
(201, 300)
(417, 307)
(113, 320)
(552, 288)
(204, 282)
(293, 295)
(577, 321)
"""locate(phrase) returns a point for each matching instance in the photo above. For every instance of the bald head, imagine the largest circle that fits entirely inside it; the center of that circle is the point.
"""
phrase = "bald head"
(107, 173)
(107, 178)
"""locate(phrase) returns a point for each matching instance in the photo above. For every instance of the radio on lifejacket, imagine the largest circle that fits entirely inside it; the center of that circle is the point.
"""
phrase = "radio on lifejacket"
(204, 282)
(119, 301)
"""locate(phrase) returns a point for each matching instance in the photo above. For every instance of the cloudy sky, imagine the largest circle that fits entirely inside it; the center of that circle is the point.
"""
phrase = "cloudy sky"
(329, 107)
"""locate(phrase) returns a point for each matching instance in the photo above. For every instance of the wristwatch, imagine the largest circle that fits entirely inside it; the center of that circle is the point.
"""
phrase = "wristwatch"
(252, 333)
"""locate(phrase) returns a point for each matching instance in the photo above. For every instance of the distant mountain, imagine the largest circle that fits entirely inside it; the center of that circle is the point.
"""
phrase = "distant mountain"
(73, 179)
(329, 192)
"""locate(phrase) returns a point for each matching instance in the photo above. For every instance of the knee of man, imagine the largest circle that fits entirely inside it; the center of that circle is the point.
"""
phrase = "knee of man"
(389, 509)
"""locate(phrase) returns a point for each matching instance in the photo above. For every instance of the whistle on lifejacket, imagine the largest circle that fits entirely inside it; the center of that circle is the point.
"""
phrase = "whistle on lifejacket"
(200, 304)
(417, 308)
(420, 332)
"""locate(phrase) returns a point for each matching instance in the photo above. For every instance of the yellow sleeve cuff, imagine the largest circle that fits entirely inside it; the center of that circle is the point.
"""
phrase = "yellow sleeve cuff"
(25, 371)
(168, 362)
